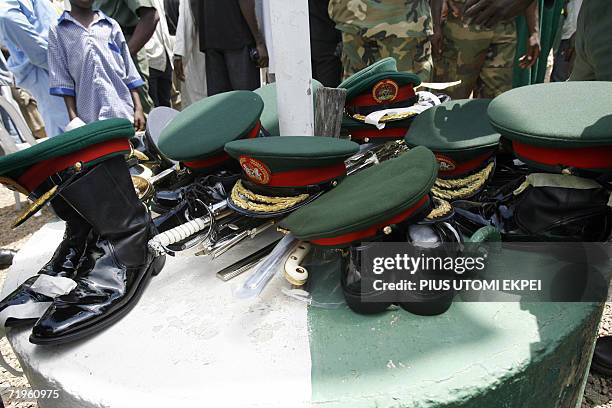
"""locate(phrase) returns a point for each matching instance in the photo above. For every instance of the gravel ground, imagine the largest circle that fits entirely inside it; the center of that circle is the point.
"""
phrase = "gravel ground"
(598, 392)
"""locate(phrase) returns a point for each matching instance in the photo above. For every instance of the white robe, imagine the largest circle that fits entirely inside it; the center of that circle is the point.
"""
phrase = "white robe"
(187, 45)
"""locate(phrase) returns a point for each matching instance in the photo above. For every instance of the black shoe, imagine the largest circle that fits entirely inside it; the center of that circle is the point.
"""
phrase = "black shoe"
(63, 263)
(602, 358)
(116, 268)
(6, 258)
(358, 290)
(428, 303)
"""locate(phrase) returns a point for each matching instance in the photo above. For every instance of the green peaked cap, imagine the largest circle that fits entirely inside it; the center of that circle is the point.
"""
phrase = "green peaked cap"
(269, 116)
(558, 126)
(456, 131)
(290, 153)
(13, 165)
(200, 131)
(368, 199)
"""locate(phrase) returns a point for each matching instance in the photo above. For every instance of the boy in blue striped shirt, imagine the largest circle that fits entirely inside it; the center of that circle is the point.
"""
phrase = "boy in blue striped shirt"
(90, 66)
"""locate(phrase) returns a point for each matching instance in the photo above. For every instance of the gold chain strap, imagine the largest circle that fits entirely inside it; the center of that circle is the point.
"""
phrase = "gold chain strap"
(463, 187)
(250, 201)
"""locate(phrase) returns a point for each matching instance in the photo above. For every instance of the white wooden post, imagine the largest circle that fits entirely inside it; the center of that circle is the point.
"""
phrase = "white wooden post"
(291, 43)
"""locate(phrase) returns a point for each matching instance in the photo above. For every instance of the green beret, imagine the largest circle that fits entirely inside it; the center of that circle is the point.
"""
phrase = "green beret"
(269, 116)
(459, 134)
(87, 145)
(557, 126)
(392, 192)
(197, 135)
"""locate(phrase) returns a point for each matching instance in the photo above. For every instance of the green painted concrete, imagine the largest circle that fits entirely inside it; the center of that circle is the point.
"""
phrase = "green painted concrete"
(476, 355)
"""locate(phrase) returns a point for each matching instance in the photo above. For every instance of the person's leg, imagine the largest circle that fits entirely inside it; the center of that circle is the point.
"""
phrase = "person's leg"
(154, 79)
(412, 55)
(243, 73)
(358, 52)
(496, 74)
(176, 98)
(164, 86)
(593, 46)
(160, 85)
(142, 66)
(217, 79)
(584, 67)
(562, 67)
(463, 53)
(326, 65)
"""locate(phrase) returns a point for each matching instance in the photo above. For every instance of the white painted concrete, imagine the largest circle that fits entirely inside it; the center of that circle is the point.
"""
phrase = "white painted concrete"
(290, 31)
(188, 342)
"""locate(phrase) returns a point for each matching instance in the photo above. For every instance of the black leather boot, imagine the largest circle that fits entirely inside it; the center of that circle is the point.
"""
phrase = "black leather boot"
(63, 263)
(117, 266)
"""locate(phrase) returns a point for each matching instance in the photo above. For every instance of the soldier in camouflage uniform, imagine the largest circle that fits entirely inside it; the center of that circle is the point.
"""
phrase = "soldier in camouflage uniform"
(375, 29)
(482, 58)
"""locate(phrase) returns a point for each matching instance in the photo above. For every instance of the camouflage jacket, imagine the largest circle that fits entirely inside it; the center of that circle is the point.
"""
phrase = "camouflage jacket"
(382, 18)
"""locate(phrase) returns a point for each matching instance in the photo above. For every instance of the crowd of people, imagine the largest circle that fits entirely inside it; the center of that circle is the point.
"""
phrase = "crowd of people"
(70, 62)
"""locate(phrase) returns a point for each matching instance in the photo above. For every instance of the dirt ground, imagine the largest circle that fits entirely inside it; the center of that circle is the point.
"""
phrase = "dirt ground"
(598, 391)
(15, 239)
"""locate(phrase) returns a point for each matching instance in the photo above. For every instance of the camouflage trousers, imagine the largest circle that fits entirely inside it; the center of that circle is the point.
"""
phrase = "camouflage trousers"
(481, 58)
(412, 54)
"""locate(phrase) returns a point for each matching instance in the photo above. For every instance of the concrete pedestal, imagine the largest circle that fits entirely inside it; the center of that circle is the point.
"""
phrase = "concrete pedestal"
(190, 342)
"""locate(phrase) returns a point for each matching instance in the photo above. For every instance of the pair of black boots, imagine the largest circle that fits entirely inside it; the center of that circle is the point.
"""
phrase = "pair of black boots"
(104, 250)
(358, 286)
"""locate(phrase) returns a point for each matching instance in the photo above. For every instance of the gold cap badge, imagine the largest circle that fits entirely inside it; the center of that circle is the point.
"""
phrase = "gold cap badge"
(385, 91)
(255, 170)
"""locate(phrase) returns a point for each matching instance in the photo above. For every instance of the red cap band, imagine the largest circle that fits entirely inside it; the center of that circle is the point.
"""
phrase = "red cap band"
(579, 157)
(307, 177)
(386, 133)
(450, 168)
(404, 93)
(259, 173)
(219, 159)
(39, 172)
(373, 230)
(209, 162)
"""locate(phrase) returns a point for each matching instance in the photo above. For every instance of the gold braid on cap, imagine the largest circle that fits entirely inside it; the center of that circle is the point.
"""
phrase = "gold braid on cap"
(250, 201)
(388, 117)
(441, 209)
(464, 187)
